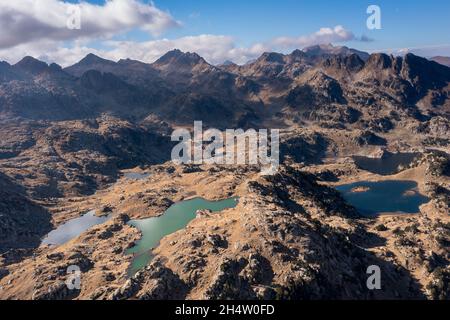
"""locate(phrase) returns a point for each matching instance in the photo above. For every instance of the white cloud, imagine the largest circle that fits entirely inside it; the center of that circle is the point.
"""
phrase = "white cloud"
(39, 28)
(218, 48)
(32, 21)
(323, 36)
(214, 48)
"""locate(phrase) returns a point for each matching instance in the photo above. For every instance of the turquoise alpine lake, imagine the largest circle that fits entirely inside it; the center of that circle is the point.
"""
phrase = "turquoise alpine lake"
(175, 218)
(389, 196)
(73, 228)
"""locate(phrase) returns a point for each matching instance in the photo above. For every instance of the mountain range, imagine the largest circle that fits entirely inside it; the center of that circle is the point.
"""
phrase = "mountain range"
(182, 87)
(63, 110)
(69, 134)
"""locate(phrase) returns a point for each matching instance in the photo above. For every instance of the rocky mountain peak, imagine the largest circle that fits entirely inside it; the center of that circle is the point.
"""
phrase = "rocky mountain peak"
(318, 49)
(180, 58)
(271, 57)
(350, 63)
(228, 63)
(380, 61)
(55, 67)
(92, 59)
(297, 55)
(297, 52)
(90, 62)
(425, 66)
(424, 74)
(129, 62)
(323, 50)
(172, 54)
(412, 59)
(31, 65)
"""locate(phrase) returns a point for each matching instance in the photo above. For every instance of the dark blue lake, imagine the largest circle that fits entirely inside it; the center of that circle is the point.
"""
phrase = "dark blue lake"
(373, 198)
(388, 164)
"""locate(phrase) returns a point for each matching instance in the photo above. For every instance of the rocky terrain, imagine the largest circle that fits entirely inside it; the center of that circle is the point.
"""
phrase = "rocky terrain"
(69, 135)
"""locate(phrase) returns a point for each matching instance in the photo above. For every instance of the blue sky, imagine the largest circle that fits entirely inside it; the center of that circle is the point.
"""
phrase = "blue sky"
(404, 23)
(218, 30)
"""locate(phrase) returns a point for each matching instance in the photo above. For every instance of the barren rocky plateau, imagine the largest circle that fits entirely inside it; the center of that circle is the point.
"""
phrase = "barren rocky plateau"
(68, 136)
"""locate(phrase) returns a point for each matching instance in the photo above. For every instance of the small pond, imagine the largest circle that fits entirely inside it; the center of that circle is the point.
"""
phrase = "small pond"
(73, 228)
(136, 175)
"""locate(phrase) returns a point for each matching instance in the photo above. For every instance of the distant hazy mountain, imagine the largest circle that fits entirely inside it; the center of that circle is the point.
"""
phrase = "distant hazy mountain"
(226, 63)
(442, 60)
